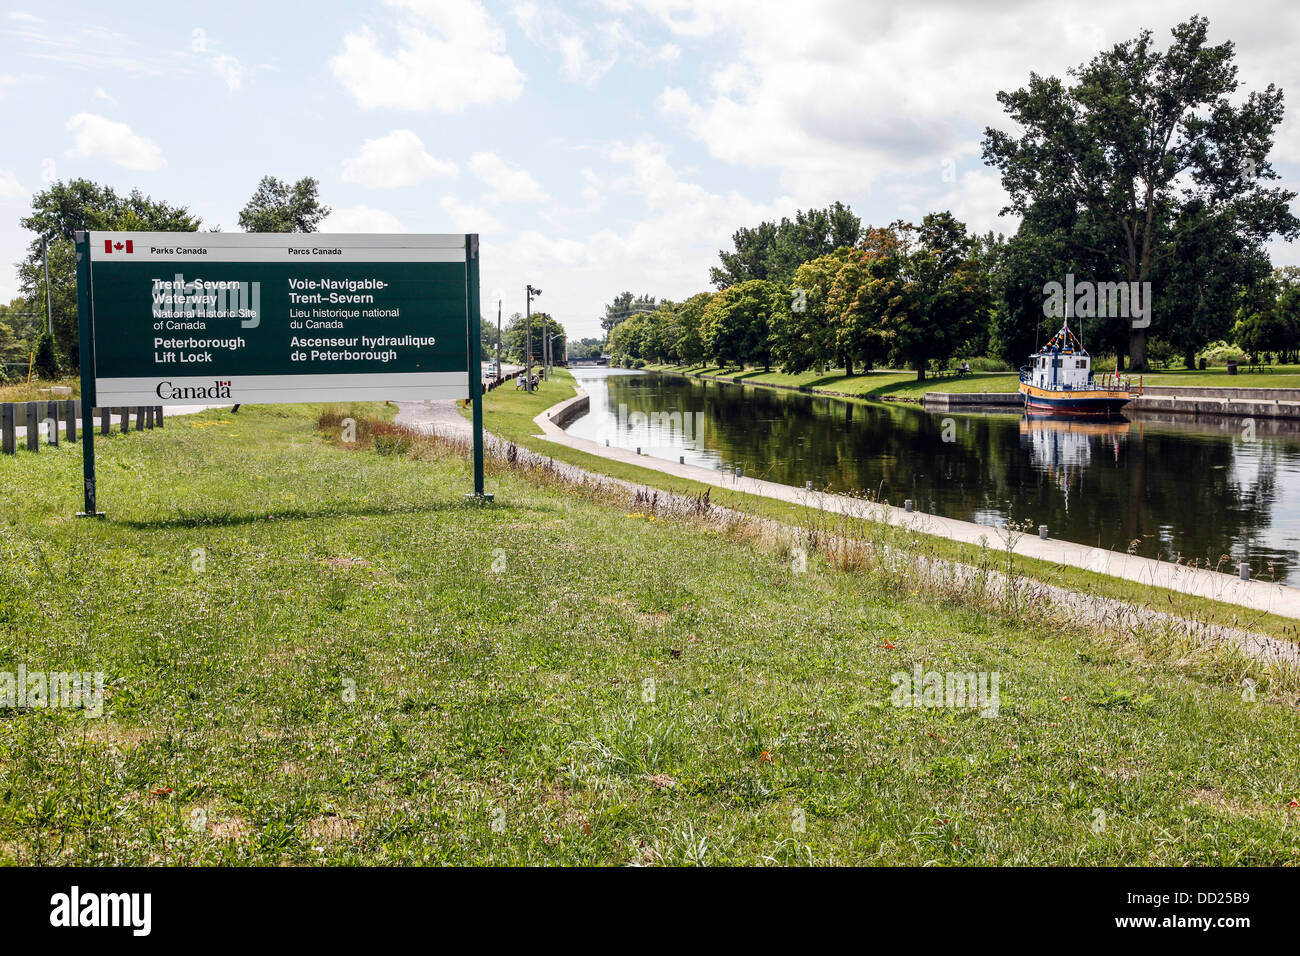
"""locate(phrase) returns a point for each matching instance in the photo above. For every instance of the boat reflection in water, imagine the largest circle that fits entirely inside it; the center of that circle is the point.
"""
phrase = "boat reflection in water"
(1062, 446)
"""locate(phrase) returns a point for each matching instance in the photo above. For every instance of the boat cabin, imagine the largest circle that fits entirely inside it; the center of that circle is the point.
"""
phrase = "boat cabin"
(1068, 369)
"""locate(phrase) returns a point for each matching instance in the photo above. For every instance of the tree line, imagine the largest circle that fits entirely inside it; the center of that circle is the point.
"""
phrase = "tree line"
(1147, 167)
(64, 208)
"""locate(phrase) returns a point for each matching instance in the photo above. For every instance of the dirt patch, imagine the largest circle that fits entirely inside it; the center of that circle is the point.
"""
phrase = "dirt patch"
(345, 563)
(1216, 799)
(330, 828)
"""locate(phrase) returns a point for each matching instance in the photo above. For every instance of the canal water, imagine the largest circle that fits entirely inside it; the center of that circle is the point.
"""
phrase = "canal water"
(1164, 487)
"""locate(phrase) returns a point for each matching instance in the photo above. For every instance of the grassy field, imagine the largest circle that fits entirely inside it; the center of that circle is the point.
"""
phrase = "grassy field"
(323, 654)
(894, 384)
(33, 391)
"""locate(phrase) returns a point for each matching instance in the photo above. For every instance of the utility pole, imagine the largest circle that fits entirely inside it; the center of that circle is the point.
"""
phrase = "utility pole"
(49, 314)
(528, 317)
(498, 340)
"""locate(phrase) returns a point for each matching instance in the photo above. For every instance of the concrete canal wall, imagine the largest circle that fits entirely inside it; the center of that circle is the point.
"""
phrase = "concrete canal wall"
(1194, 402)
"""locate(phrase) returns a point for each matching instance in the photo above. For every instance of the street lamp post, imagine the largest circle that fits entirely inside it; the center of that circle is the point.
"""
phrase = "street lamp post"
(528, 316)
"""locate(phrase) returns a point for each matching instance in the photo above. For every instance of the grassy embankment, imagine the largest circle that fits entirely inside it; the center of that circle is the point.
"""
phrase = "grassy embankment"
(340, 676)
(509, 413)
(902, 385)
(36, 390)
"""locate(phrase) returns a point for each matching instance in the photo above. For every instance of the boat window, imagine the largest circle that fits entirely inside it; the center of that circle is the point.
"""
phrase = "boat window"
(1082, 363)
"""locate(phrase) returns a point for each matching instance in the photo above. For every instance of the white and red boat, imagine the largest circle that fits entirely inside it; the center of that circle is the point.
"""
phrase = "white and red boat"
(1059, 378)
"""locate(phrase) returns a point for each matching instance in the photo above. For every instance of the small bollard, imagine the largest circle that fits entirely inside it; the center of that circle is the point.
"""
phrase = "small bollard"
(1042, 531)
(681, 459)
(606, 442)
(33, 426)
(807, 486)
(1244, 570)
(638, 449)
(907, 505)
(738, 471)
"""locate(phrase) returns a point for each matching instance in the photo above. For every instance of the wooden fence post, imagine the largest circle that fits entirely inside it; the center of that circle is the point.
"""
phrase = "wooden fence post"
(105, 421)
(33, 427)
(7, 428)
(52, 416)
(139, 418)
(126, 419)
(158, 415)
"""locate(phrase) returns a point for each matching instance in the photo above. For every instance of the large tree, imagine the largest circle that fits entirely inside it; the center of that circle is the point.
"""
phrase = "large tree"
(945, 294)
(737, 322)
(58, 213)
(774, 251)
(278, 206)
(624, 306)
(803, 335)
(1139, 138)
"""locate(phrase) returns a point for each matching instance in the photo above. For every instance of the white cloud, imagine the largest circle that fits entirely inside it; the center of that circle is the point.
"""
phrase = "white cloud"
(231, 71)
(451, 55)
(836, 94)
(508, 182)
(107, 139)
(586, 53)
(397, 159)
(10, 187)
(469, 218)
(361, 219)
(103, 94)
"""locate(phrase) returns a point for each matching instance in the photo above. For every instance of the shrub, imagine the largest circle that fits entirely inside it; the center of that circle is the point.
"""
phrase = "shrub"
(47, 363)
(1220, 353)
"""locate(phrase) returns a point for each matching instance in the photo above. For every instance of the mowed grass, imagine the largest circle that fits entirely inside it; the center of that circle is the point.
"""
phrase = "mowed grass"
(902, 385)
(361, 667)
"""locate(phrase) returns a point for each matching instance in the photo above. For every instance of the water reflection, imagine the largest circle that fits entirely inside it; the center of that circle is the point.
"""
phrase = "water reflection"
(1163, 487)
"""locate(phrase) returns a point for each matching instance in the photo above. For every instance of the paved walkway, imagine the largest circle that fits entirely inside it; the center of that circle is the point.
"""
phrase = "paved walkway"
(1256, 595)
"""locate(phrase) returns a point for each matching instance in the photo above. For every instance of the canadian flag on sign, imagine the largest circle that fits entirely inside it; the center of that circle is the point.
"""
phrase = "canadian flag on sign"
(110, 246)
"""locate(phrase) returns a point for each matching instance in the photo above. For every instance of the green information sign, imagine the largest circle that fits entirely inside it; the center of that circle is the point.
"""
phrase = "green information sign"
(180, 318)
(184, 318)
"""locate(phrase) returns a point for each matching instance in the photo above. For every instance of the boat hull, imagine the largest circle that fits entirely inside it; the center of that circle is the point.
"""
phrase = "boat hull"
(1096, 402)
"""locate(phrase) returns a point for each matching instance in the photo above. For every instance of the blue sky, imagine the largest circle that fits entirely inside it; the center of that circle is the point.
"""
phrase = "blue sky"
(596, 146)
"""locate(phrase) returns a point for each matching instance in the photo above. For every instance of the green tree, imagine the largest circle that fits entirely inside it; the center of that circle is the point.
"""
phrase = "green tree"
(945, 292)
(803, 335)
(1268, 316)
(58, 213)
(1138, 139)
(46, 365)
(863, 299)
(774, 251)
(277, 206)
(737, 323)
(688, 328)
(623, 307)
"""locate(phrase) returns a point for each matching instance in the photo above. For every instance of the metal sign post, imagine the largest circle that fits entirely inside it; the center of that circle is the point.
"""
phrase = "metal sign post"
(474, 327)
(86, 326)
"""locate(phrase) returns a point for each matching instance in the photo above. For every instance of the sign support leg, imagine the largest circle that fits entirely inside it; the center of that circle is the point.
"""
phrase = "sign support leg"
(86, 324)
(474, 328)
